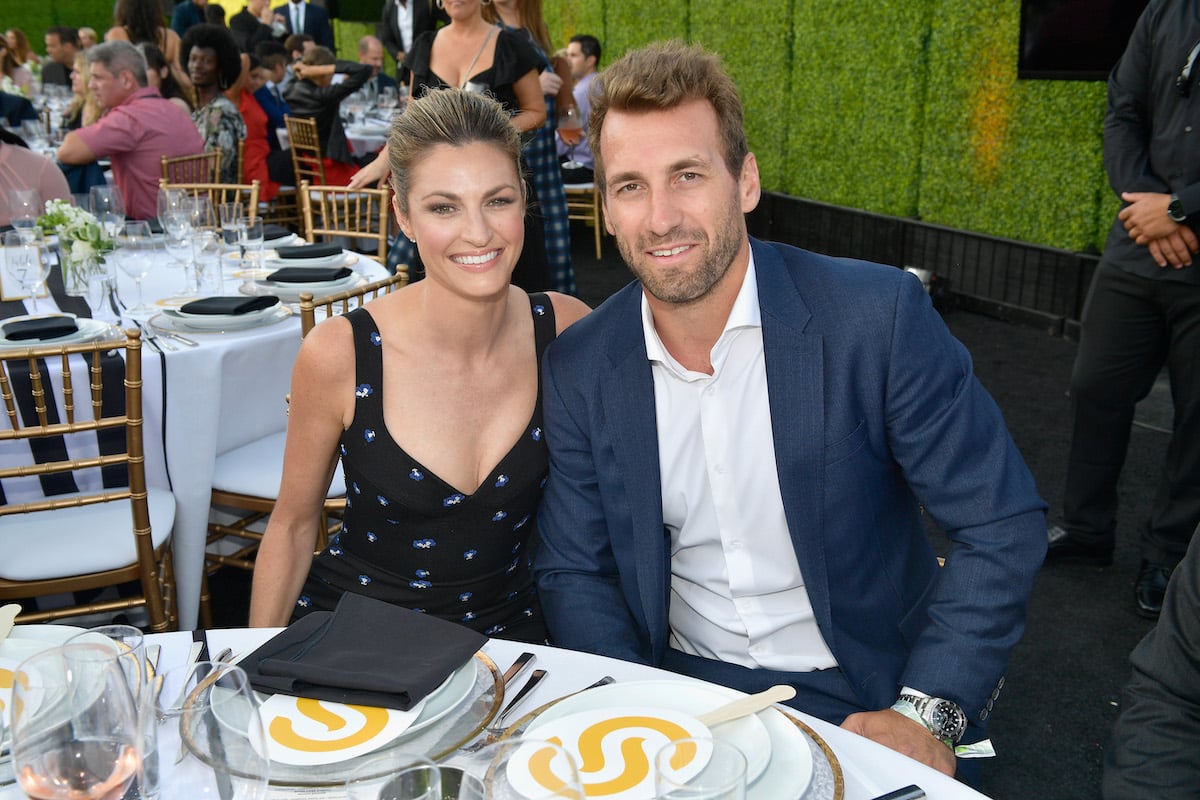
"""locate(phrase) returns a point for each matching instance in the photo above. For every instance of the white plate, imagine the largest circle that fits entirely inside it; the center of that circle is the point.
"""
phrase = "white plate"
(789, 764)
(90, 330)
(23, 642)
(290, 292)
(335, 260)
(172, 320)
(287, 240)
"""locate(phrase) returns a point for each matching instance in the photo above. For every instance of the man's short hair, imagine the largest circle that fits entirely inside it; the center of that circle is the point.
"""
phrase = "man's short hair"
(65, 35)
(588, 45)
(663, 76)
(364, 44)
(271, 54)
(295, 42)
(318, 56)
(116, 57)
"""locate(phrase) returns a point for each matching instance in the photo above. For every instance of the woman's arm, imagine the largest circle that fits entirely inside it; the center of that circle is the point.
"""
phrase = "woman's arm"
(532, 103)
(321, 406)
(374, 174)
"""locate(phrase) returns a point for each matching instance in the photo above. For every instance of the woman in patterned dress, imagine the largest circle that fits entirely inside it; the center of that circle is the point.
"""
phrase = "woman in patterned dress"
(432, 399)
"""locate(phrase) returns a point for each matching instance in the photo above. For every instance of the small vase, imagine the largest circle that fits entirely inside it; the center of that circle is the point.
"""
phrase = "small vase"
(76, 274)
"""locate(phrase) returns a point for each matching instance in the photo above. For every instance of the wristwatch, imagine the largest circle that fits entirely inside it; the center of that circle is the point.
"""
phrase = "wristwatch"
(1175, 209)
(944, 718)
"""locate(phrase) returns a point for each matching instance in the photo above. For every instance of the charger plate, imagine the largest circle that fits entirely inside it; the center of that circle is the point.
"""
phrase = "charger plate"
(171, 320)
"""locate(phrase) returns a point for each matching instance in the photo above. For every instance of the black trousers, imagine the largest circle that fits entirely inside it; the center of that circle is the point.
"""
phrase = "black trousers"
(1132, 326)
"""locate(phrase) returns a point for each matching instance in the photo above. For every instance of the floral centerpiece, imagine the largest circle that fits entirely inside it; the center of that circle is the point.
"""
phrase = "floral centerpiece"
(82, 240)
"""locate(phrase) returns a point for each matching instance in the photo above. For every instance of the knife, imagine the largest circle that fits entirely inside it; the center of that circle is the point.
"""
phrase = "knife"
(533, 681)
(152, 338)
(518, 666)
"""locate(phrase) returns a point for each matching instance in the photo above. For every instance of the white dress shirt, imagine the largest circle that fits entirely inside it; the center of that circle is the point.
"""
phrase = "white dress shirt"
(737, 594)
(297, 10)
(404, 20)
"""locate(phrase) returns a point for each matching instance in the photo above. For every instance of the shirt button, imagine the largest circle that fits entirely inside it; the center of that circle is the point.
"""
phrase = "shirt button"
(1188, 129)
(711, 390)
(719, 469)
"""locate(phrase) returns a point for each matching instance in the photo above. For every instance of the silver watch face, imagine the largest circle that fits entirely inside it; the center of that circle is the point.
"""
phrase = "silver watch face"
(947, 720)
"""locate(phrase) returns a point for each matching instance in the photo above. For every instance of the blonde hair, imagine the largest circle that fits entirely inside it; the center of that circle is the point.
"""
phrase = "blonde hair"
(663, 76)
(447, 116)
(83, 104)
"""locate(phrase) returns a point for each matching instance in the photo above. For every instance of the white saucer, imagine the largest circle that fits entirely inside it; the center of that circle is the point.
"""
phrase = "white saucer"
(89, 330)
(172, 320)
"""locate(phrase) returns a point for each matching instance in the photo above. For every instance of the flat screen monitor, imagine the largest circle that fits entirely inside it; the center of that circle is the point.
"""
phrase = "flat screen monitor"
(1074, 39)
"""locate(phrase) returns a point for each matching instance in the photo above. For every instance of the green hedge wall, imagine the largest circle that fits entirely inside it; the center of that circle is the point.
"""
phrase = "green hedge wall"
(907, 108)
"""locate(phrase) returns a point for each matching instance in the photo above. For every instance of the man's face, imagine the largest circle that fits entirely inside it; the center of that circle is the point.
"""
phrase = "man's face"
(278, 71)
(671, 202)
(373, 56)
(111, 90)
(580, 64)
(53, 47)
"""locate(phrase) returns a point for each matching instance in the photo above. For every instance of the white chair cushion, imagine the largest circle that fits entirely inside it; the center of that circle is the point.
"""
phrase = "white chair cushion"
(74, 541)
(257, 469)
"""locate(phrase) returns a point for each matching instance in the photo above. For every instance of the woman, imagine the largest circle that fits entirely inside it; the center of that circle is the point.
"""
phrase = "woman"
(214, 64)
(138, 21)
(12, 71)
(257, 148)
(83, 108)
(87, 37)
(478, 56)
(433, 393)
(541, 150)
(158, 75)
(18, 43)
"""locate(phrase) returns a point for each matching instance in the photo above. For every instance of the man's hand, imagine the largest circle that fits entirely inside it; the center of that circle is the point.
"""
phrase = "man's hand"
(1176, 248)
(897, 732)
(1146, 216)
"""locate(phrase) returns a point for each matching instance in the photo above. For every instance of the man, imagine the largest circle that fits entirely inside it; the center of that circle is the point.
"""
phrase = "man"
(402, 22)
(583, 54)
(187, 14)
(138, 128)
(315, 95)
(62, 43)
(741, 446)
(1143, 309)
(253, 25)
(370, 52)
(274, 61)
(298, 16)
(1152, 751)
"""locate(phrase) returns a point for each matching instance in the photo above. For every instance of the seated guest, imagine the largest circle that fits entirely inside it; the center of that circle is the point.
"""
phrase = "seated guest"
(257, 148)
(296, 45)
(274, 61)
(1152, 750)
(21, 168)
(214, 64)
(62, 44)
(13, 72)
(583, 54)
(87, 37)
(83, 109)
(443, 488)
(138, 128)
(21, 49)
(160, 76)
(742, 448)
(370, 51)
(14, 108)
(315, 95)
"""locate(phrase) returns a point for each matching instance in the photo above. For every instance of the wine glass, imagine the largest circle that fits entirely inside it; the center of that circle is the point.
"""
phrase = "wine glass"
(387, 100)
(74, 725)
(177, 236)
(209, 740)
(136, 252)
(395, 776)
(24, 265)
(108, 206)
(700, 769)
(25, 206)
(173, 202)
(570, 130)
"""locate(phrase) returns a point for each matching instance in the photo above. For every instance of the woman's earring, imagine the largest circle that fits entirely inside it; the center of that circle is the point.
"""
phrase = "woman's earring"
(440, 4)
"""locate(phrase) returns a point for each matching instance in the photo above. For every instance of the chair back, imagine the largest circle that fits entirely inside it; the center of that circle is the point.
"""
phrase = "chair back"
(199, 168)
(306, 149)
(334, 212)
(344, 301)
(583, 203)
(48, 404)
(244, 193)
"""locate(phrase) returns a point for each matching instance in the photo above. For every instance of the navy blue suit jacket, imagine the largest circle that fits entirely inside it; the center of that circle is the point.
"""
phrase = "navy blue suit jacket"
(276, 110)
(316, 23)
(875, 411)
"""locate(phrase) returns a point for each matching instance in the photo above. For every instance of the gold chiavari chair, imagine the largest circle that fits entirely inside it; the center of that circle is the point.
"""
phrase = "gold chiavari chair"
(54, 402)
(305, 145)
(334, 212)
(583, 203)
(244, 193)
(198, 168)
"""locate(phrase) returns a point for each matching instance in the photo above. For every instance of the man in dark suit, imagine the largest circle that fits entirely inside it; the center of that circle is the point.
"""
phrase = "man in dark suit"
(298, 16)
(742, 443)
(402, 22)
(370, 52)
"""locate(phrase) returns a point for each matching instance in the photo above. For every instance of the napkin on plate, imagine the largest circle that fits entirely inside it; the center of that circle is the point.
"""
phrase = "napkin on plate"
(365, 652)
(273, 231)
(40, 328)
(228, 306)
(309, 274)
(308, 251)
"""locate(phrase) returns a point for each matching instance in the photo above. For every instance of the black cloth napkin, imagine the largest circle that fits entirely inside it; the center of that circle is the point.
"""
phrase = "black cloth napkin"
(228, 306)
(365, 652)
(309, 274)
(308, 251)
(273, 231)
(40, 328)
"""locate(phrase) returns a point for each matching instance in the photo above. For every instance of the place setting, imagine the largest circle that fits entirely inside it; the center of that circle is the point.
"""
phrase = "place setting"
(220, 314)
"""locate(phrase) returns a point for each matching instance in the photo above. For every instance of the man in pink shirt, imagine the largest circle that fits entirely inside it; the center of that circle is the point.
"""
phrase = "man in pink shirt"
(138, 128)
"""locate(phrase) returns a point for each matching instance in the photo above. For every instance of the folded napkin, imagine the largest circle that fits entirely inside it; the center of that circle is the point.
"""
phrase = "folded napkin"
(365, 652)
(228, 306)
(273, 231)
(309, 274)
(40, 328)
(308, 251)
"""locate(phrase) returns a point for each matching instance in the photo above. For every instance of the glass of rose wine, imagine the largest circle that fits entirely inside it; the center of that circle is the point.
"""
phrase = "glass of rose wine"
(75, 729)
(570, 130)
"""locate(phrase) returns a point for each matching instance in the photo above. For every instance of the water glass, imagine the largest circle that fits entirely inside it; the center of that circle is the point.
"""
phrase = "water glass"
(232, 215)
(700, 769)
(24, 206)
(108, 206)
(206, 256)
(137, 252)
(250, 232)
(24, 265)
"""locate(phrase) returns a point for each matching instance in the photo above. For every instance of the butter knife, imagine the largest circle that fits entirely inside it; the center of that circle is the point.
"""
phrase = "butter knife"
(533, 681)
(152, 338)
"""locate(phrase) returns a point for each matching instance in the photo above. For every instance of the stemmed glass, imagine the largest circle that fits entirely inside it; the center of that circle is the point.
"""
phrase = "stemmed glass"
(25, 206)
(523, 769)
(108, 206)
(175, 207)
(135, 254)
(388, 100)
(74, 725)
(570, 130)
(24, 264)
(700, 769)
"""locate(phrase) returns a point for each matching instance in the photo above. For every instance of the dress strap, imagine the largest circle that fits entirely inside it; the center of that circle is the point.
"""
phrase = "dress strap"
(368, 352)
(544, 327)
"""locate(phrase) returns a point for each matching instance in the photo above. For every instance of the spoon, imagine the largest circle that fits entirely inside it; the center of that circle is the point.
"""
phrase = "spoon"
(746, 706)
(8, 615)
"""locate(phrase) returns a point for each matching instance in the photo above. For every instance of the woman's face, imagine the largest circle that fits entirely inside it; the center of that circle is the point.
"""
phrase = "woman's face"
(11, 39)
(78, 81)
(202, 66)
(258, 79)
(466, 211)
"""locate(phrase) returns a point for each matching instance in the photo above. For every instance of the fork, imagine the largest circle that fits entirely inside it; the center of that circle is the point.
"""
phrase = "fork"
(494, 732)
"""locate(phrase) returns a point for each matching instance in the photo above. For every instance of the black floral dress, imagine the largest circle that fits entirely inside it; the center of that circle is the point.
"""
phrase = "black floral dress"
(411, 539)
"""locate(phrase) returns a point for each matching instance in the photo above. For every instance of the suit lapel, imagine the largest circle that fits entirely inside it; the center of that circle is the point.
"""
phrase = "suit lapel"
(794, 363)
(628, 401)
